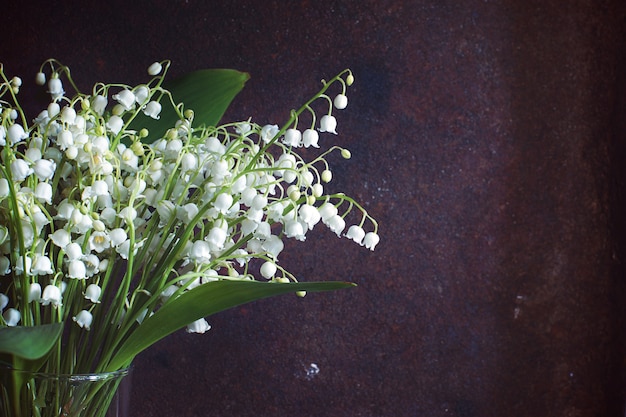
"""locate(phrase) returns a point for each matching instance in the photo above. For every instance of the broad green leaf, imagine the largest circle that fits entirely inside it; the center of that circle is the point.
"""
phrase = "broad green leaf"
(207, 92)
(28, 342)
(203, 301)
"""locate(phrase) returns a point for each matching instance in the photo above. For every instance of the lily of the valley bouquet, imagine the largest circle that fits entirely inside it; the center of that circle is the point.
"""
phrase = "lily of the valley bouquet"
(127, 213)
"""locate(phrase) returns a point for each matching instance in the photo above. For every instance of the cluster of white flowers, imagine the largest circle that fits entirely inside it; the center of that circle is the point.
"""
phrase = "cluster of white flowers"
(87, 208)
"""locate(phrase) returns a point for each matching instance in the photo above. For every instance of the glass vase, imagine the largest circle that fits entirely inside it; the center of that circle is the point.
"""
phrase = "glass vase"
(34, 394)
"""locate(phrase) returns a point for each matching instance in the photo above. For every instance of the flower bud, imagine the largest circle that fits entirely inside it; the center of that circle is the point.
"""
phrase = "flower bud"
(340, 101)
(268, 269)
(40, 78)
(155, 68)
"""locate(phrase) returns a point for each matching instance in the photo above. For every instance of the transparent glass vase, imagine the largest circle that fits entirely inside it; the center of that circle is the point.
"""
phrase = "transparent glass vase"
(34, 394)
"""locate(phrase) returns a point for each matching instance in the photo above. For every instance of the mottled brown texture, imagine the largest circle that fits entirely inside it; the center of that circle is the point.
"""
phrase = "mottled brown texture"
(487, 138)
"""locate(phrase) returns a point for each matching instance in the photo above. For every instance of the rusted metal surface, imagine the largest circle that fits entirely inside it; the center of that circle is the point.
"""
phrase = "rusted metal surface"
(483, 138)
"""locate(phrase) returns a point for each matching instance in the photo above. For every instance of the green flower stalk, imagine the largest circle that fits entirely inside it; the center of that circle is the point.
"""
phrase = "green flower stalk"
(120, 232)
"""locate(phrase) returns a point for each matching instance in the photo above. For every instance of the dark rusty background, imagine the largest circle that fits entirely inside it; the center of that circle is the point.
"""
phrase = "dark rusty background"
(487, 138)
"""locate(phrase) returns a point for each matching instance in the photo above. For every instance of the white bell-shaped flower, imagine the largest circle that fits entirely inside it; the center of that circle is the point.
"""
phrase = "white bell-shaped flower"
(370, 240)
(42, 265)
(223, 202)
(43, 192)
(15, 134)
(12, 317)
(216, 238)
(34, 292)
(44, 169)
(4, 301)
(198, 326)
(65, 139)
(327, 210)
(309, 214)
(141, 94)
(99, 241)
(293, 137)
(4, 188)
(153, 110)
(294, 229)
(200, 252)
(126, 98)
(55, 88)
(356, 233)
(99, 104)
(53, 109)
(77, 269)
(68, 115)
(73, 251)
(51, 295)
(328, 123)
(273, 245)
(310, 138)
(115, 124)
(92, 293)
(336, 224)
(268, 132)
(117, 236)
(20, 170)
(263, 231)
(24, 263)
(83, 319)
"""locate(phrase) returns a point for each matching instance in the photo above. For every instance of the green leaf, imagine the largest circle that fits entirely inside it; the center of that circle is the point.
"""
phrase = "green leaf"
(203, 301)
(207, 92)
(31, 342)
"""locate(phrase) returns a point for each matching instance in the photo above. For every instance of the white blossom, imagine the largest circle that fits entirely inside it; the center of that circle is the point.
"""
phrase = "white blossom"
(83, 319)
(198, 326)
(370, 240)
(4, 301)
(92, 293)
(356, 233)
(34, 292)
(293, 137)
(42, 265)
(12, 317)
(268, 132)
(336, 224)
(51, 295)
(44, 169)
(153, 110)
(55, 88)
(328, 123)
(126, 98)
(15, 134)
(310, 138)
(77, 269)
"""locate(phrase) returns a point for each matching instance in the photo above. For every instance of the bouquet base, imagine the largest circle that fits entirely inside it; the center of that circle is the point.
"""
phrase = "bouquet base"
(30, 394)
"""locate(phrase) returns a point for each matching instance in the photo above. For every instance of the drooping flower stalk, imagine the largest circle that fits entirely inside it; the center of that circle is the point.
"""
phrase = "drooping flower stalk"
(101, 229)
